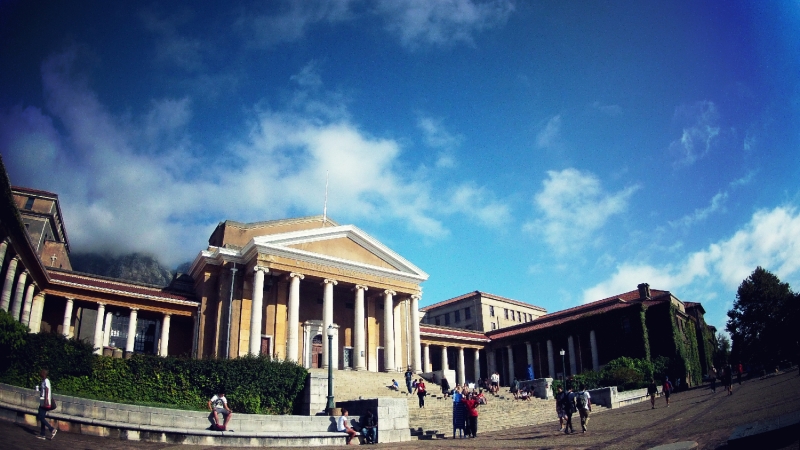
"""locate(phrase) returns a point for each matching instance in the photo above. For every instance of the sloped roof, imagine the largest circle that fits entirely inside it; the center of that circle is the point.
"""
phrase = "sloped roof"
(481, 294)
(105, 285)
(597, 307)
(455, 333)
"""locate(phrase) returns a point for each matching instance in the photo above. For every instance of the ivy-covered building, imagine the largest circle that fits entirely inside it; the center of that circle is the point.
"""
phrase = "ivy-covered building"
(643, 323)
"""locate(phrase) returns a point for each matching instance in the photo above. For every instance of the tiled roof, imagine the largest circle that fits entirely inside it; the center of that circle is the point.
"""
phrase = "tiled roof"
(452, 332)
(481, 294)
(566, 315)
(101, 284)
(33, 191)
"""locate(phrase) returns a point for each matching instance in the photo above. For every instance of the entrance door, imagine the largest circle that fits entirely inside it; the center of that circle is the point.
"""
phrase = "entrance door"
(316, 352)
(348, 357)
(266, 346)
(381, 365)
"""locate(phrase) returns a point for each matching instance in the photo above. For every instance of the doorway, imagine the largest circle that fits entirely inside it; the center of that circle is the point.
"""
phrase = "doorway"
(316, 352)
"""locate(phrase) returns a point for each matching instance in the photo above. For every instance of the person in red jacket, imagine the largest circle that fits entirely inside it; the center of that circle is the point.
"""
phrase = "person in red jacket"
(472, 414)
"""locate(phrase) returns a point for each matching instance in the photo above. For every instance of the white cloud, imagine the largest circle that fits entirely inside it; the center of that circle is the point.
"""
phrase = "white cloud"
(442, 23)
(771, 239)
(574, 206)
(141, 184)
(611, 110)
(436, 136)
(289, 20)
(550, 133)
(717, 204)
(172, 47)
(699, 134)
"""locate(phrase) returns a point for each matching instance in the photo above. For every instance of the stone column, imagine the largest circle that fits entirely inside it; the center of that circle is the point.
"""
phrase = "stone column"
(416, 348)
(11, 273)
(107, 329)
(98, 329)
(359, 341)
(477, 365)
(165, 336)
(426, 358)
(26, 305)
(529, 350)
(67, 317)
(327, 320)
(16, 302)
(3, 248)
(573, 368)
(595, 358)
(388, 331)
(37, 307)
(550, 361)
(293, 318)
(445, 363)
(511, 375)
(462, 376)
(131, 331)
(256, 309)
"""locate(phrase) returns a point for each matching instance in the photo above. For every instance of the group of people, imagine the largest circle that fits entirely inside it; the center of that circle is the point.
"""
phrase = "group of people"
(726, 376)
(465, 411)
(570, 402)
(368, 423)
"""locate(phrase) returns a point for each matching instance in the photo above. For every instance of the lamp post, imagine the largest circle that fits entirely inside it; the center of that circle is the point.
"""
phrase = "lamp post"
(331, 404)
(563, 370)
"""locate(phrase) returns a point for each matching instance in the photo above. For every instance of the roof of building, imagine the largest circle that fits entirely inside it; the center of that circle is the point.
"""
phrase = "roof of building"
(481, 294)
(456, 333)
(566, 315)
(115, 286)
(267, 223)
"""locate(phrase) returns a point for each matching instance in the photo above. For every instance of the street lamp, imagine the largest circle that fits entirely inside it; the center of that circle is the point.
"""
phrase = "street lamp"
(563, 370)
(331, 404)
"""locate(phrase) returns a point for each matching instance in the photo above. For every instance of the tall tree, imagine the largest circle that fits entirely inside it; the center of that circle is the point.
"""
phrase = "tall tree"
(723, 351)
(761, 318)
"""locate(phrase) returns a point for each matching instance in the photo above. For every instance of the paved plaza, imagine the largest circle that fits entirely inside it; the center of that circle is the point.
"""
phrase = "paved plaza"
(695, 415)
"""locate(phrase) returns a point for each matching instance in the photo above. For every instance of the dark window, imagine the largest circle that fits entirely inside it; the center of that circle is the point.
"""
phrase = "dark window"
(494, 327)
(29, 203)
(467, 313)
(491, 310)
(626, 325)
(457, 314)
(506, 310)
(438, 321)
(447, 319)
(519, 316)
(468, 327)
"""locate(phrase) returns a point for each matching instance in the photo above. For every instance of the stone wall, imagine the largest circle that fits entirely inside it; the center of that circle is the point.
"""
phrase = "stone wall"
(392, 415)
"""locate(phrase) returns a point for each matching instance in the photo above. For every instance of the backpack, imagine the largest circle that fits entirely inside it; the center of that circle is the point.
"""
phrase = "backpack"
(567, 404)
(582, 401)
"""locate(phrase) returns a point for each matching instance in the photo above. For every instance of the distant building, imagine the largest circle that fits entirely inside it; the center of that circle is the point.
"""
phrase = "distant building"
(41, 215)
(480, 311)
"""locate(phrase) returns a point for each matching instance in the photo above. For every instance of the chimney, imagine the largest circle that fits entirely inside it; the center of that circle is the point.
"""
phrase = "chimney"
(644, 291)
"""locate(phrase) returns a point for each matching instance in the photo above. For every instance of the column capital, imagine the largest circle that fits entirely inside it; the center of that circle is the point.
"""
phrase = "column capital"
(361, 286)
(167, 314)
(261, 269)
(299, 276)
(70, 299)
(416, 296)
(101, 304)
(15, 258)
(390, 292)
(330, 281)
(134, 309)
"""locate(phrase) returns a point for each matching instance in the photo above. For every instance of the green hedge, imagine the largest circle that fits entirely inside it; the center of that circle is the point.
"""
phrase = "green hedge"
(624, 373)
(253, 385)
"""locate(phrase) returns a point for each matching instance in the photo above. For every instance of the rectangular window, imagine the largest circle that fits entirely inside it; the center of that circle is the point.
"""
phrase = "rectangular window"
(506, 310)
(29, 203)
(457, 314)
(519, 316)
(494, 327)
(467, 313)
(447, 319)
(438, 321)
(491, 310)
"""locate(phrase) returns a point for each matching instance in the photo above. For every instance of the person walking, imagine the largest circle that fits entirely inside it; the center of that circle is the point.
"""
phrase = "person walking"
(472, 415)
(45, 404)
(569, 410)
(562, 416)
(727, 376)
(652, 390)
(583, 400)
(713, 375)
(666, 389)
(409, 377)
(445, 388)
(459, 414)
(421, 392)
(739, 370)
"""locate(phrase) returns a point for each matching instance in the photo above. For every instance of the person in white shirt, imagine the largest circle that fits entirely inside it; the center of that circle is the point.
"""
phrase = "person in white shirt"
(45, 404)
(343, 425)
(219, 405)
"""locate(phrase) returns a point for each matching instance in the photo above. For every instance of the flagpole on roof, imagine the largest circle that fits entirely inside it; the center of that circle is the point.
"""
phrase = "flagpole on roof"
(325, 207)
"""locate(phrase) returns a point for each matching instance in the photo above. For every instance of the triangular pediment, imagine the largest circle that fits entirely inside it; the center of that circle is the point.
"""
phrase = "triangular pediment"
(342, 245)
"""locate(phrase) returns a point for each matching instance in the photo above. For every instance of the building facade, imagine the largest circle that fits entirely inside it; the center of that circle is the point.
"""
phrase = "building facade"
(480, 311)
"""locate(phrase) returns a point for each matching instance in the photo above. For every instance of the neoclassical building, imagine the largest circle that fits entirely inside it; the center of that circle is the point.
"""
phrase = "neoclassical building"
(276, 287)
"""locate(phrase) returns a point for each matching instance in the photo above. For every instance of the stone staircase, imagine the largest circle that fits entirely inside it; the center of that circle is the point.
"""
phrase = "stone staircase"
(436, 419)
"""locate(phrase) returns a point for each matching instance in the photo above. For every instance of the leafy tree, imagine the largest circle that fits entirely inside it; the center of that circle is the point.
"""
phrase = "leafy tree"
(761, 319)
(722, 353)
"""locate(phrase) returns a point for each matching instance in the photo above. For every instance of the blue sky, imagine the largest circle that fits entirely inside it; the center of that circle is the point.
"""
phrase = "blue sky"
(551, 152)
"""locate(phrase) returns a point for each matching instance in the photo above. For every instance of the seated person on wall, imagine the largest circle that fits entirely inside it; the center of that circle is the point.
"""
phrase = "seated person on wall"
(394, 386)
(343, 425)
(369, 427)
(219, 405)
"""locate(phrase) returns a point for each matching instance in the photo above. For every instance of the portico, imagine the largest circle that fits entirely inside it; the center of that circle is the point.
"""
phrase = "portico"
(296, 278)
